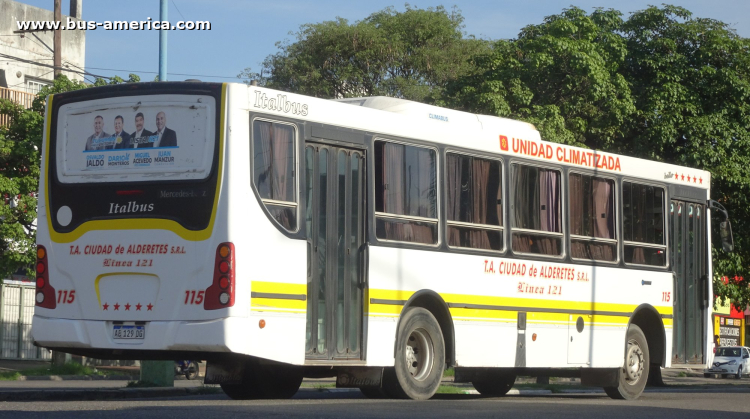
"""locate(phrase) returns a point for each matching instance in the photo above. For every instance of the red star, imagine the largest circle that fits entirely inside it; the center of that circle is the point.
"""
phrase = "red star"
(683, 177)
(149, 307)
(676, 176)
(688, 178)
(701, 181)
(105, 306)
(694, 179)
(138, 307)
(127, 307)
(117, 306)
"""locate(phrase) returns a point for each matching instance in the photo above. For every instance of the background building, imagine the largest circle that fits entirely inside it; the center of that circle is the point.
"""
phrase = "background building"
(26, 58)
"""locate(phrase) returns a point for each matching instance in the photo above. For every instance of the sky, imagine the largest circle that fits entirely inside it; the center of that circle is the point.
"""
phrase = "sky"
(244, 32)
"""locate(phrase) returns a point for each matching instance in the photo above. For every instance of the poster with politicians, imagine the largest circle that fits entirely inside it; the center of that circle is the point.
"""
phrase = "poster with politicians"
(143, 136)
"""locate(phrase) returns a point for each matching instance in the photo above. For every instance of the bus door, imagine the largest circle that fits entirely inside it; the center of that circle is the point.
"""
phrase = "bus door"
(335, 251)
(689, 264)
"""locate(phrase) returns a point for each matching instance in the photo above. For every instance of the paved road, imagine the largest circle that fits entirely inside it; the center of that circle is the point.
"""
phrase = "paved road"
(726, 403)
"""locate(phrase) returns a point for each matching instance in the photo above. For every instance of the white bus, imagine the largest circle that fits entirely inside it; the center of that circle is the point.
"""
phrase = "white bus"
(377, 240)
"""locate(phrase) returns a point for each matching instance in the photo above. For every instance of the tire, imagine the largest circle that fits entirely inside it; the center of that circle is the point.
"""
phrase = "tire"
(739, 373)
(495, 384)
(240, 391)
(634, 373)
(420, 357)
(266, 381)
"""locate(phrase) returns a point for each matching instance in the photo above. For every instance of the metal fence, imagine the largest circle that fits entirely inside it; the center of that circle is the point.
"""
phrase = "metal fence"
(16, 311)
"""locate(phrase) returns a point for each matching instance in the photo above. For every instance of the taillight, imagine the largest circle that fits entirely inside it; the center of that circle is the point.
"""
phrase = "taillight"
(45, 294)
(221, 293)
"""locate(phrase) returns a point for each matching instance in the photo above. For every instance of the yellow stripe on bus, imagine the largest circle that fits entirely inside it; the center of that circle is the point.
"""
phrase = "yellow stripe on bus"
(490, 313)
(138, 223)
(281, 289)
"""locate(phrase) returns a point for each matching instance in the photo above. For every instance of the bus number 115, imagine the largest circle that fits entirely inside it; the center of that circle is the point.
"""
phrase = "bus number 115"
(194, 297)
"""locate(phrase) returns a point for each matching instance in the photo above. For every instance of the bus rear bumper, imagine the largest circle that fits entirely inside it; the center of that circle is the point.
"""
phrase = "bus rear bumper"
(177, 336)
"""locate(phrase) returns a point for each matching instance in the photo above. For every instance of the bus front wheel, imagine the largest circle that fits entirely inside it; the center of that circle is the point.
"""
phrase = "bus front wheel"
(634, 373)
(420, 357)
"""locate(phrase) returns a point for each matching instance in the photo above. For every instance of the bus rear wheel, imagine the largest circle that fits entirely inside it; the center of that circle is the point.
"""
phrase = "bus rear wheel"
(261, 381)
(634, 373)
(420, 357)
(495, 384)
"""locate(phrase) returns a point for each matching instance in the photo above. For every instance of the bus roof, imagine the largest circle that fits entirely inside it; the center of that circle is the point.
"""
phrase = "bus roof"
(452, 128)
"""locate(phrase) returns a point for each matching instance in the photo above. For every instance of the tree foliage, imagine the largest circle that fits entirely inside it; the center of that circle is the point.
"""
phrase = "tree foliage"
(410, 54)
(20, 157)
(661, 85)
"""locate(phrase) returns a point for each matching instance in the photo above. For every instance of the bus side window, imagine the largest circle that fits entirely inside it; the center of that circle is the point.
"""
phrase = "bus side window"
(273, 170)
(536, 212)
(405, 193)
(474, 195)
(592, 218)
(643, 224)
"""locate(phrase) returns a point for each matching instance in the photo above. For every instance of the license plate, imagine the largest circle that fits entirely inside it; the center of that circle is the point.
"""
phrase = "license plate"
(129, 332)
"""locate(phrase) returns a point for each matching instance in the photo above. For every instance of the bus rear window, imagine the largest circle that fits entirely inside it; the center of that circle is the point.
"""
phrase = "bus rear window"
(136, 138)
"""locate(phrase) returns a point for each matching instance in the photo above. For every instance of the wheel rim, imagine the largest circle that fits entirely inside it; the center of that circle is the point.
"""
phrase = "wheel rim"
(419, 353)
(633, 362)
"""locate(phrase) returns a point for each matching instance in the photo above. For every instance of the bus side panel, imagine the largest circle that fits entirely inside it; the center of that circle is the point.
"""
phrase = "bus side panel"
(486, 295)
(267, 262)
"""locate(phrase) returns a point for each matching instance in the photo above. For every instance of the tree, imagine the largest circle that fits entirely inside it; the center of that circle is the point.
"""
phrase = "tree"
(410, 54)
(660, 85)
(561, 75)
(691, 81)
(20, 157)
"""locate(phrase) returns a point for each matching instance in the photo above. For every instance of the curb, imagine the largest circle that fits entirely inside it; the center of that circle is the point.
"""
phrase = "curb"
(516, 392)
(87, 395)
(75, 377)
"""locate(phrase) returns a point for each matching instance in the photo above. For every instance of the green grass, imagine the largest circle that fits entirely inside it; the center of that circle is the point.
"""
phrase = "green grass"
(451, 390)
(9, 376)
(71, 368)
(449, 373)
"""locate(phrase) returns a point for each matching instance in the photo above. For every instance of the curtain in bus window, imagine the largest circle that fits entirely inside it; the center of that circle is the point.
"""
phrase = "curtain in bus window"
(455, 194)
(643, 222)
(274, 161)
(526, 197)
(273, 167)
(536, 207)
(393, 178)
(549, 185)
(604, 202)
(549, 211)
(473, 193)
(577, 205)
(408, 188)
(591, 215)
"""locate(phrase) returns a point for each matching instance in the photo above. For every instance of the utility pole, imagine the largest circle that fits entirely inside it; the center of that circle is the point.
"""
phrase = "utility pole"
(57, 40)
(163, 41)
(160, 373)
